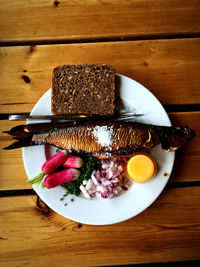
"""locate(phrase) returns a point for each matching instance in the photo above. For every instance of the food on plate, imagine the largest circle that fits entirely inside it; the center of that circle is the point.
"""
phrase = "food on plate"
(50, 166)
(108, 181)
(72, 178)
(104, 139)
(54, 162)
(83, 89)
(100, 178)
(141, 168)
(73, 162)
(61, 177)
(90, 164)
(106, 146)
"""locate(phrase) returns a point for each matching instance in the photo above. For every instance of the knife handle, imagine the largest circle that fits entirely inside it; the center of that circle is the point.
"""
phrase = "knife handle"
(4, 116)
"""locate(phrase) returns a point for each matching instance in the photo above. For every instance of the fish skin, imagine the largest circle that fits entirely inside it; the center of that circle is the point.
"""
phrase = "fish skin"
(85, 137)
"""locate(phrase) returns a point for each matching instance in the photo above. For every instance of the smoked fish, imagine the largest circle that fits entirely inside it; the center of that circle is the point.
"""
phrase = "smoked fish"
(102, 139)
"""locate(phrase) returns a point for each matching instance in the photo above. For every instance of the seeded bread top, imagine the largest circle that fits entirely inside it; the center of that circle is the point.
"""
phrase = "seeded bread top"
(83, 89)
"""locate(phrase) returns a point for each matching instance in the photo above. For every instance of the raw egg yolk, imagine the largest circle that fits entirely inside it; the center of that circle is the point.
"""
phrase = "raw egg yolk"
(141, 168)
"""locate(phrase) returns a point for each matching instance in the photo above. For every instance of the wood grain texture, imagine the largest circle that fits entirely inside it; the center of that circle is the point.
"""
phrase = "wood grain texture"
(167, 231)
(168, 68)
(71, 20)
(186, 168)
(12, 174)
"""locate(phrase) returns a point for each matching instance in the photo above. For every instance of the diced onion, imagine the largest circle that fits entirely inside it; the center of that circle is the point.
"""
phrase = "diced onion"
(89, 184)
(85, 193)
(109, 181)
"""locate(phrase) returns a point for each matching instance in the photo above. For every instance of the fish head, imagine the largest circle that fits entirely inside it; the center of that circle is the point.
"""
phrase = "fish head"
(176, 137)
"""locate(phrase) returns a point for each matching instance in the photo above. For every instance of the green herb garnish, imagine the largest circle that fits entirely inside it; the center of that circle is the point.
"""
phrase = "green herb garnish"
(57, 150)
(90, 164)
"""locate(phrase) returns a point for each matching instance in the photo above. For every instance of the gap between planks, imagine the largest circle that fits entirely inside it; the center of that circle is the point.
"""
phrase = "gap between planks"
(182, 108)
(101, 40)
(26, 192)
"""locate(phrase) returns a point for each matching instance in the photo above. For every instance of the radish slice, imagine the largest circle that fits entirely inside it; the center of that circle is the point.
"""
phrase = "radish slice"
(73, 162)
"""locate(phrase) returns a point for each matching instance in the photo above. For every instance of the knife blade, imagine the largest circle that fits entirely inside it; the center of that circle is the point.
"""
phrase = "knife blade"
(24, 116)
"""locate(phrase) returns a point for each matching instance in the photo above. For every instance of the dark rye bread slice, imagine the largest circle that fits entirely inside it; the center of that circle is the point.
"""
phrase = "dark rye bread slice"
(83, 89)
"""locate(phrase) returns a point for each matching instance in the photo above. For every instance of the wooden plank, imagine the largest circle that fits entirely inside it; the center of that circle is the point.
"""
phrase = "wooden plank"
(168, 68)
(69, 20)
(12, 175)
(186, 168)
(166, 231)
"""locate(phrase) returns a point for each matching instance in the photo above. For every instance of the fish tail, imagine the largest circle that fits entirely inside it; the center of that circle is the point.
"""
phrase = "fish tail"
(23, 138)
(19, 130)
(175, 137)
(20, 143)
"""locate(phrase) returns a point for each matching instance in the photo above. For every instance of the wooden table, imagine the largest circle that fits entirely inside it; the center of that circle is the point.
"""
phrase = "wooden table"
(156, 43)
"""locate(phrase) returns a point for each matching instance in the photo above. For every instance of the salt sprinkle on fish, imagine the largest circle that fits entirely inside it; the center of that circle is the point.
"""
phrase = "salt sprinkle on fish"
(103, 135)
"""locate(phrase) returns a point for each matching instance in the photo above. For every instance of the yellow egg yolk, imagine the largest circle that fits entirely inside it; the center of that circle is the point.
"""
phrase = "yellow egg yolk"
(141, 168)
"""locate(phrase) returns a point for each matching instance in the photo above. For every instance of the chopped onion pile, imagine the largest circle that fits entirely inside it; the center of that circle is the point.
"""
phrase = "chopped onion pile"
(107, 182)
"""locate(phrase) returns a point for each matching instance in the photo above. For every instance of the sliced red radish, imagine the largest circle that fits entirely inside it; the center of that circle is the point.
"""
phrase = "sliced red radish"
(73, 162)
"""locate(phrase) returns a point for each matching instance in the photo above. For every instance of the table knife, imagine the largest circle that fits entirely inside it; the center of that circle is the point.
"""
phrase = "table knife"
(23, 116)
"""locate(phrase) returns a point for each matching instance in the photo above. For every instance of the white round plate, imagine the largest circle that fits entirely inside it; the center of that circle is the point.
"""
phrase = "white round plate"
(96, 211)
